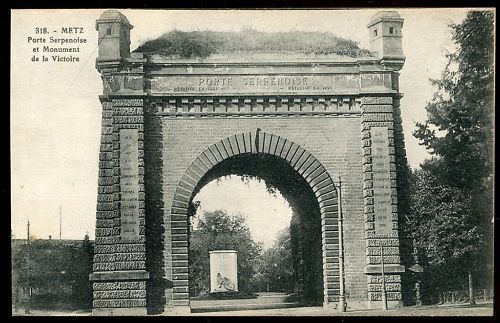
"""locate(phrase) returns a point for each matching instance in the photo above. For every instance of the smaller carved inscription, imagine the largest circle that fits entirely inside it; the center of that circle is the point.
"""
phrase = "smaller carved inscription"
(381, 180)
(129, 183)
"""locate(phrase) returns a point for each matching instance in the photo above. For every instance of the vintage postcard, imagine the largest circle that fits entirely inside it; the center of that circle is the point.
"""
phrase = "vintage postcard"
(252, 162)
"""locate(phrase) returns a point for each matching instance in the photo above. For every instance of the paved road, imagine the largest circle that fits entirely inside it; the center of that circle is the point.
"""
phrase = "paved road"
(482, 309)
(435, 310)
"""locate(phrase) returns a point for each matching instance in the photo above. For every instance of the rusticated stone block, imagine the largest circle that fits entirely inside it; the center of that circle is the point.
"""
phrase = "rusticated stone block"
(369, 226)
(130, 265)
(375, 100)
(133, 111)
(115, 240)
(376, 251)
(377, 117)
(105, 286)
(367, 176)
(104, 198)
(124, 248)
(389, 287)
(104, 223)
(127, 294)
(103, 266)
(130, 257)
(106, 181)
(377, 108)
(367, 192)
(367, 160)
(128, 102)
(377, 279)
(384, 242)
(104, 232)
(128, 119)
(115, 303)
(391, 296)
(106, 215)
(378, 260)
(105, 206)
(369, 216)
(104, 258)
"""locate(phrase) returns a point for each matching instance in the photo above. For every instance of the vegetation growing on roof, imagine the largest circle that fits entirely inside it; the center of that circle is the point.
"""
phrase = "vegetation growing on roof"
(201, 44)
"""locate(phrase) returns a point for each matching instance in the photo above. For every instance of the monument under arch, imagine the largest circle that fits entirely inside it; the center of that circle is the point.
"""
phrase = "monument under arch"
(170, 124)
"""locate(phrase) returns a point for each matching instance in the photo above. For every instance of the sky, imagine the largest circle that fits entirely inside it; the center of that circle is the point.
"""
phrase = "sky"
(56, 113)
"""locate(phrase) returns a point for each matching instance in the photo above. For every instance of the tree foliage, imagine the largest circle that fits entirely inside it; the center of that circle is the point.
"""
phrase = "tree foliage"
(462, 107)
(201, 44)
(452, 194)
(58, 273)
(220, 231)
(276, 267)
(442, 222)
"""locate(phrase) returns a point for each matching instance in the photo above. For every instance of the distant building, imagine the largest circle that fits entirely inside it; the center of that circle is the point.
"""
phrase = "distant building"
(57, 268)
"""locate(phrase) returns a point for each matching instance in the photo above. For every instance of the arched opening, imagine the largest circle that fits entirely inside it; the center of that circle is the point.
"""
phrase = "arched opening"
(305, 225)
(304, 182)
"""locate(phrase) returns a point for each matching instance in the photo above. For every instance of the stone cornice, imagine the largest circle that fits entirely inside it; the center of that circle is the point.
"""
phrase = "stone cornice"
(254, 106)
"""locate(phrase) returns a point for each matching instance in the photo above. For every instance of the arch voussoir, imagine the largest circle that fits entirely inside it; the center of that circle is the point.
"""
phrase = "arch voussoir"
(314, 174)
(233, 142)
(209, 162)
(298, 154)
(222, 150)
(240, 141)
(227, 145)
(215, 152)
(301, 160)
(327, 202)
(274, 144)
(279, 146)
(198, 162)
(247, 139)
(308, 162)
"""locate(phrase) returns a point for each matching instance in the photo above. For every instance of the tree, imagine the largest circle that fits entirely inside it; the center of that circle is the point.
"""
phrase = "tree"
(218, 231)
(81, 269)
(442, 226)
(459, 134)
(462, 107)
(276, 266)
(57, 273)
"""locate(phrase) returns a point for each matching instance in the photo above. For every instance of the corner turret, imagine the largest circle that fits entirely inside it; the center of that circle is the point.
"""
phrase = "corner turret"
(386, 38)
(114, 36)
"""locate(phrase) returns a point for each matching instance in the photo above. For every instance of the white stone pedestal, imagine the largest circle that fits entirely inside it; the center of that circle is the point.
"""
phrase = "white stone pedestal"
(223, 271)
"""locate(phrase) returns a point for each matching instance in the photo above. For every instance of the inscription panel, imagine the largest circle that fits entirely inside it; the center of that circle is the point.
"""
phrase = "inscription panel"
(381, 180)
(258, 84)
(129, 184)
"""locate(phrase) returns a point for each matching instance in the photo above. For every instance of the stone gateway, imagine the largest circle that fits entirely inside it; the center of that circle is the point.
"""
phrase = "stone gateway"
(170, 125)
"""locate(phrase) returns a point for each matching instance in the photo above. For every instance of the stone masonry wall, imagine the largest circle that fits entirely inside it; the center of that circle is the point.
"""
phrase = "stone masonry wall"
(119, 264)
(379, 112)
(333, 140)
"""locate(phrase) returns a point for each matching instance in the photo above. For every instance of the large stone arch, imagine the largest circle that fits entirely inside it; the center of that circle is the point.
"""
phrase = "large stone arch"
(260, 142)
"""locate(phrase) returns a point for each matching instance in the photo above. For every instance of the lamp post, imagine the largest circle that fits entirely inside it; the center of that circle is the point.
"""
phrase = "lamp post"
(342, 302)
(384, 294)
